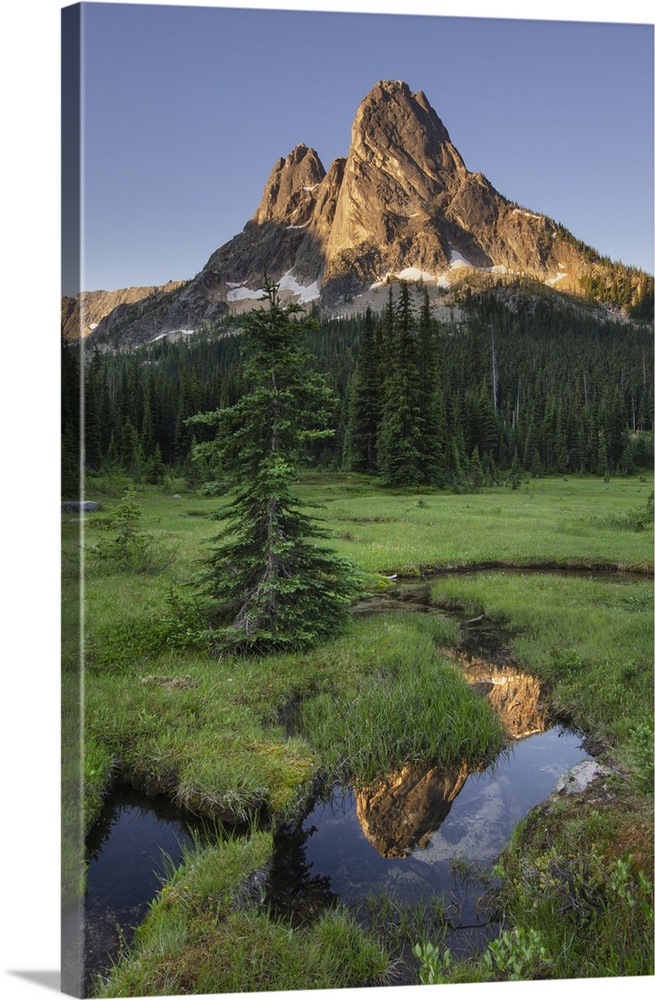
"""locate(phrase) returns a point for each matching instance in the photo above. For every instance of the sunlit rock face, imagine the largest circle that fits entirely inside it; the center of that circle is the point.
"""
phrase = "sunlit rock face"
(400, 171)
(289, 195)
(404, 810)
(513, 695)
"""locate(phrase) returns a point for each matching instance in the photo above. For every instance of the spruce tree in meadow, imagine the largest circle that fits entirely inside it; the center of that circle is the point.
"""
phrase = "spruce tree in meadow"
(267, 584)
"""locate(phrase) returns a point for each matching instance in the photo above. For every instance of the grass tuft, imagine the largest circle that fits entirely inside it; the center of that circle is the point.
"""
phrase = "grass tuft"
(207, 933)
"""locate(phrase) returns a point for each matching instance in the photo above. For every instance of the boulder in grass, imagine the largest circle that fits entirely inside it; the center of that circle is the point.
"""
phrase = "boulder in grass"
(80, 506)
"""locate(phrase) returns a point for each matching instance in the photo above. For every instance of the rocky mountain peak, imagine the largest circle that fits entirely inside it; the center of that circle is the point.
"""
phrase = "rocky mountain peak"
(288, 195)
(392, 106)
(401, 204)
(401, 162)
(393, 124)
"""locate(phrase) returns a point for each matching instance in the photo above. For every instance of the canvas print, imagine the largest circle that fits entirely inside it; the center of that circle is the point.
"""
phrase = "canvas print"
(357, 500)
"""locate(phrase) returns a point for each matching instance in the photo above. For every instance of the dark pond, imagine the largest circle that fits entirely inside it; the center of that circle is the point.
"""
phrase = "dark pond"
(129, 852)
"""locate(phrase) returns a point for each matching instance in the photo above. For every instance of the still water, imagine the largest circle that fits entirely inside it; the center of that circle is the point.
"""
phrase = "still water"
(347, 848)
(380, 840)
(129, 853)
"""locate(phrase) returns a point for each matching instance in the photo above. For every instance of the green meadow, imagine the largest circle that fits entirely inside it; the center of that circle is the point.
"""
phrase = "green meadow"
(544, 521)
(235, 738)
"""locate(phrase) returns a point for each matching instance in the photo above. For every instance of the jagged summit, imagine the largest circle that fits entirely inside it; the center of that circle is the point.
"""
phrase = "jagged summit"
(392, 116)
(401, 161)
(401, 203)
(288, 194)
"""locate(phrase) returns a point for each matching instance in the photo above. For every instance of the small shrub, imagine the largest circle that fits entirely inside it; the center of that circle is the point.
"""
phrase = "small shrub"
(573, 885)
(185, 623)
(181, 626)
(639, 753)
(126, 643)
(435, 962)
(127, 548)
(635, 519)
(516, 955)
(212, 489)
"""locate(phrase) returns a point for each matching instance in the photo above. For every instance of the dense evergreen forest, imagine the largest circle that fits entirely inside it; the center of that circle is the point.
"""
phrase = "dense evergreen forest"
(521, 383)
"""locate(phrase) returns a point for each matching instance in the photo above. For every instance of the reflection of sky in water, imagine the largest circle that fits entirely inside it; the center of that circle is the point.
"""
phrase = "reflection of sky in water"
(129, 862)
(478, 826)
(126, 863)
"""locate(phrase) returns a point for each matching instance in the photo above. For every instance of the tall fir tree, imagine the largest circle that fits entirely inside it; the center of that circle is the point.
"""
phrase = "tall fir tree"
(401, 425)
(267, 584)
(130, 454)
(433, 429)
(364, 403)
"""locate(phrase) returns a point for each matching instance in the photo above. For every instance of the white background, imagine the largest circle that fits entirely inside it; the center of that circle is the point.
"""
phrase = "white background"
(29, 679)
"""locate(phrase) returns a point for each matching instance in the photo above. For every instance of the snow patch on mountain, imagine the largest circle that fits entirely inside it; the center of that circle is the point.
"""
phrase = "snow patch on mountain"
(238, 292)
(458, 260)
(407, 274)
(307, 293)
(287, 283)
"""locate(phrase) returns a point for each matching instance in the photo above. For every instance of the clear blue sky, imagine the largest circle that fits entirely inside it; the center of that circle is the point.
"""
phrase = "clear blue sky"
(186, 110)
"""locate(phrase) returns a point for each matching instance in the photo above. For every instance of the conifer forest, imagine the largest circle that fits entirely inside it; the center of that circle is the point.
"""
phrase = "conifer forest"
(509, 386)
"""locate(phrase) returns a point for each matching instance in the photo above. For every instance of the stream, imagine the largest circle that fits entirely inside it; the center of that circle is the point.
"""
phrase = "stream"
(421, 831)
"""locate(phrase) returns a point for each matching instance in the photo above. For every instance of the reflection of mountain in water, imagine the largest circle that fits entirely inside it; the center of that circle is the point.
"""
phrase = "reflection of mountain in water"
(404, 810)
(513, 695)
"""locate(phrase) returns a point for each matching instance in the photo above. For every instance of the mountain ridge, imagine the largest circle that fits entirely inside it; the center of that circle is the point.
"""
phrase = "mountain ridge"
(81, 314)
(402, 204)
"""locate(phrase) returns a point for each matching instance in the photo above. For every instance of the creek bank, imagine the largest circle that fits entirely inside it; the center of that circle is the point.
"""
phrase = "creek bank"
(483, 637)
(130, 851)
(428, 572)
